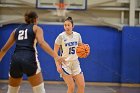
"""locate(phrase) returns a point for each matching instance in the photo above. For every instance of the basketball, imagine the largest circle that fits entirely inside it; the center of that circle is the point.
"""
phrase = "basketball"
(83, 51)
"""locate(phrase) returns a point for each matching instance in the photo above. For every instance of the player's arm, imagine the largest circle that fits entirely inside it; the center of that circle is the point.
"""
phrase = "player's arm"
(80, 40)
(58, 65)
(8, 45)
(58, 42)
(43, 44)
(56, 49)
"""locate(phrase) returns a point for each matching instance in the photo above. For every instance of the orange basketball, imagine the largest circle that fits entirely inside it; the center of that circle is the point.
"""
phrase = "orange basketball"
(83, 51)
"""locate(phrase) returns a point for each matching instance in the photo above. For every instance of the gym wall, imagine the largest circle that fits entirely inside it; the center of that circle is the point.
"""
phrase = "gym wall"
(114, 57)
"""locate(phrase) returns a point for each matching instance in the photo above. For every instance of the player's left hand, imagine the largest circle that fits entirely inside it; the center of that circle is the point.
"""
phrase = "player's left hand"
(89, 49)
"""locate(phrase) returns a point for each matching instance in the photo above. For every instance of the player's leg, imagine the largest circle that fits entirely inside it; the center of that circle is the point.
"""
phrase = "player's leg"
(31, 68)
(15, 75)
(37, 83)
(35, 77)
(67, 76)
(70, 83)
(79, 79)
(14, 85)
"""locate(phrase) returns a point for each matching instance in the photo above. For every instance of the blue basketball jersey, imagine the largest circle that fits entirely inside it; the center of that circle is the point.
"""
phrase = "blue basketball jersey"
(25, 37)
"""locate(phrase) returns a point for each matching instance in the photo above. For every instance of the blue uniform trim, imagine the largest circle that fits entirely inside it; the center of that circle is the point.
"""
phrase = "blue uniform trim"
(65, 71)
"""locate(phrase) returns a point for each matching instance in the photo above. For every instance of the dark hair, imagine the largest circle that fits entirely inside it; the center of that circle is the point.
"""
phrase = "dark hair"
(30, 16)
(69, 19)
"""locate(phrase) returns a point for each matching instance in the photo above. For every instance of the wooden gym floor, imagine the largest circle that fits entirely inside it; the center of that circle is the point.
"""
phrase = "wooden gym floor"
(61, 88)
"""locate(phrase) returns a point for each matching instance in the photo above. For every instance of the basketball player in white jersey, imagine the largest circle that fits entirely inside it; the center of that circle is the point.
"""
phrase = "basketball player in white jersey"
(70, 70)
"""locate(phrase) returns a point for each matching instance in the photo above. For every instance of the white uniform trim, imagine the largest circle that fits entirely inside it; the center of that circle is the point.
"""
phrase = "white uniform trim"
(36, 53)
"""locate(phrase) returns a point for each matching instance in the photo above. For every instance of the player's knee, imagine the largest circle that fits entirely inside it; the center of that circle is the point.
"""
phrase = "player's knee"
(81, 85)
(15, 82)
(36, 79)
(71, 86)
(13, 89)
(39, 88)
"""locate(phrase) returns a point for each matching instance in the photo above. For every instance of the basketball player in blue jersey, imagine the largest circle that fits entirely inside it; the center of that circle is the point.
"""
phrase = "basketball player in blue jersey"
(25, 59)
(70, 70)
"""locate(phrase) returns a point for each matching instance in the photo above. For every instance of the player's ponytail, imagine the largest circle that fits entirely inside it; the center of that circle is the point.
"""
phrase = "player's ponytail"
(30, 16)
(69, 19)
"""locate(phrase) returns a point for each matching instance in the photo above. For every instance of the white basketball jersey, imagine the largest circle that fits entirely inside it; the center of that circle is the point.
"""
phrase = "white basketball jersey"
(69, 44)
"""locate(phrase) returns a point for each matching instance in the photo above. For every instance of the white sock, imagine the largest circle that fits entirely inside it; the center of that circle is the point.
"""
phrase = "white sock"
(13, 89)
(39, 89)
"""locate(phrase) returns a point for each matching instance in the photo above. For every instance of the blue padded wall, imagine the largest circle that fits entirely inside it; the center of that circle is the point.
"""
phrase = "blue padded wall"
(106, 62)
(131, 55)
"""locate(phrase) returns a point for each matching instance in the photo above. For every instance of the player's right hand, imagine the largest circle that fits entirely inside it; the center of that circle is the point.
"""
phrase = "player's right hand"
(59, 69)
(60, 59)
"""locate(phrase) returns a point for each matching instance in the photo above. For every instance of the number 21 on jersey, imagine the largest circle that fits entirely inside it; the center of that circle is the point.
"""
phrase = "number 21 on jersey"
(22, 34)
